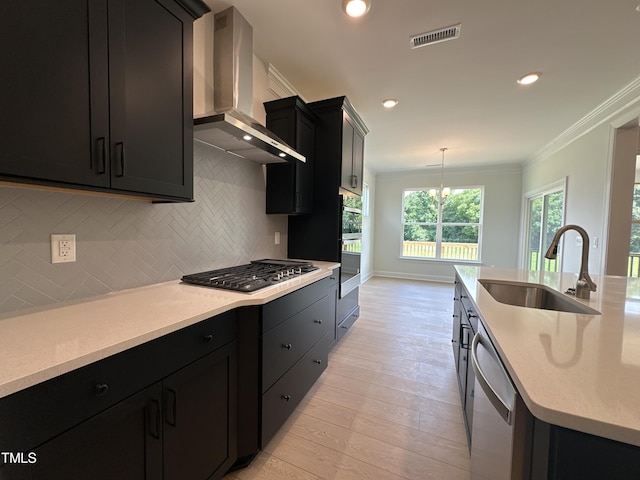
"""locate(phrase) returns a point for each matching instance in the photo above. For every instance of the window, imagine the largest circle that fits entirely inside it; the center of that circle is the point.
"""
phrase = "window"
(450, 229)
(633, 269)
(545, 215)
(365, 200)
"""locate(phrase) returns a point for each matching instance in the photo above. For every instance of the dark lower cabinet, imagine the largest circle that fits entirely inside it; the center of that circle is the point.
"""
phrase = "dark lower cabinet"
(123, 442)
(189, 405)
(168, 410)
(284, 348)
(347, 312)
(200, 415)
(295, 337)
(285, 395)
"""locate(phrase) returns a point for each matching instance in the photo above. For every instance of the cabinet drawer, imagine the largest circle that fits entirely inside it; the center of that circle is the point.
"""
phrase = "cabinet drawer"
(347, 304)
(279, 310)
(468, 309)
(282, 399)
(34, 415)
(288, 342)
(175, 350)
(348, 322)
(334, 277)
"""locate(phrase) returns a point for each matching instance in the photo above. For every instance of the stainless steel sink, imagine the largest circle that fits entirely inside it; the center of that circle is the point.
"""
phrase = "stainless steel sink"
(534, 295)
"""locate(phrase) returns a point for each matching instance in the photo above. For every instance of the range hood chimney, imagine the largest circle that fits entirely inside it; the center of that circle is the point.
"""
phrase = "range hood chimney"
(232, 128)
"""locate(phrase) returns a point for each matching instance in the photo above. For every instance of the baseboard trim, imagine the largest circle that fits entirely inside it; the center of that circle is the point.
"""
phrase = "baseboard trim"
(367, 277)
(413, 276)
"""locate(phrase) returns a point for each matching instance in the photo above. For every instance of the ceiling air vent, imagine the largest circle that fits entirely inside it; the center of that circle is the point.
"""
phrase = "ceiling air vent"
(435, 36)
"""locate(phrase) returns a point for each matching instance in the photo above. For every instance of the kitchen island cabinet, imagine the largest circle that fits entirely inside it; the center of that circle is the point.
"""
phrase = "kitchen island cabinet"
(573, 372)
(559, 453)
(465, 326)
(99, 96)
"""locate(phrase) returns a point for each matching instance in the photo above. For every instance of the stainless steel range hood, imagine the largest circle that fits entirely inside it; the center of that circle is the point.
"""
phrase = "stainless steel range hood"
(231, 128)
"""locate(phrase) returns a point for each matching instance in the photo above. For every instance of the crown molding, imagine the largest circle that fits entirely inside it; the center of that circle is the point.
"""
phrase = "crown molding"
(280, 86)
(625, 100)
(501, 169)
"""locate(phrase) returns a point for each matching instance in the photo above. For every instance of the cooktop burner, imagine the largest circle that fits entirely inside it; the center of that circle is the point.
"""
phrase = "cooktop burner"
(252, 276)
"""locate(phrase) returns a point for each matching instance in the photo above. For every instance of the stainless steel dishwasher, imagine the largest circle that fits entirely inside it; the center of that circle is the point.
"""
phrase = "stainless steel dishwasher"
(499, 430)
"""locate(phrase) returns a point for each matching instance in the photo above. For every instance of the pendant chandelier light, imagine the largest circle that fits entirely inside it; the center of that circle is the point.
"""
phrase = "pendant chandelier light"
(444, 191)
(356, 8)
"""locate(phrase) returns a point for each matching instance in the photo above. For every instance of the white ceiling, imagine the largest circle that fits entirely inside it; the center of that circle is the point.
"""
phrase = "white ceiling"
(461, 94)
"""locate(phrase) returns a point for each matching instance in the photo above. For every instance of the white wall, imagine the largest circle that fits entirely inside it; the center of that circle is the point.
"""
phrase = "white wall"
(585, 162)
(501, 219)
(368, 226)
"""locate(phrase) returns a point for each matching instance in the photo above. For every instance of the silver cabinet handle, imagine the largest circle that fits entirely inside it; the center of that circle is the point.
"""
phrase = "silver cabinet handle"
(501, 406)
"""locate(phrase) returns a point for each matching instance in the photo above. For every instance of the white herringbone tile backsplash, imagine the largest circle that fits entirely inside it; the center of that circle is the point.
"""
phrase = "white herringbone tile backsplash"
(128, 243)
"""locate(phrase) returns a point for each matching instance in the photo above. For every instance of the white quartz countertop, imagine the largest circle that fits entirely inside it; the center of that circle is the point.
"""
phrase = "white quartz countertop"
(577, 371)
(41, 344)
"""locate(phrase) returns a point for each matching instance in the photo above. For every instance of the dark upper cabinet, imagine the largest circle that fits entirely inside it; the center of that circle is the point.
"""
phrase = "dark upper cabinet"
(99, 96)
(339, 139)
(340, 146)
(54, 122)
(352, 154)
(290, 185)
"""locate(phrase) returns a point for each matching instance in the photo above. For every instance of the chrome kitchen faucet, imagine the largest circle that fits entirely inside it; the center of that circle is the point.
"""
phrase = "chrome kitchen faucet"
(584, 284)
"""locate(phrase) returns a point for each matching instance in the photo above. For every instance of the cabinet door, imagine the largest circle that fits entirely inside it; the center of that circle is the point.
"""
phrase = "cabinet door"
(123, 442)
(290, 185)
(54, 124)
(150, 64)
(305, 143)
(348, 131)
(358, 163)
(200, 417)
(456, 330)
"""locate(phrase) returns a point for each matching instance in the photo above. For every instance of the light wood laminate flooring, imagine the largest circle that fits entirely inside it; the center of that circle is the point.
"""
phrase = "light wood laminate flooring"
(387, 407)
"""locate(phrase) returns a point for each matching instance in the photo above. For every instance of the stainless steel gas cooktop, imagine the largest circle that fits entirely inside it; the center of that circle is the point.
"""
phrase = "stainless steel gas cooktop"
(252, 276)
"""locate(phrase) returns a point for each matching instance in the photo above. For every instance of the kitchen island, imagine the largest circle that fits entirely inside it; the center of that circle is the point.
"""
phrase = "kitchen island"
(575, 371)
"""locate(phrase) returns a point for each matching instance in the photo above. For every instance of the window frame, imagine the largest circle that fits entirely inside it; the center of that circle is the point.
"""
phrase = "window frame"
(541, 193)
(440, 224)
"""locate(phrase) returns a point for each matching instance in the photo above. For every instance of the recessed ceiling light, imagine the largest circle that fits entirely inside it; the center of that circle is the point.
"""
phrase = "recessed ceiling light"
(529, 78)
(247, 137)
(389, 102)
(282, 154)
(356, 8)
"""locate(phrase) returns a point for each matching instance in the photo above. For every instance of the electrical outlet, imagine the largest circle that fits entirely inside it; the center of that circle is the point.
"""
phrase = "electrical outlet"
(277, 238)
(63, 248)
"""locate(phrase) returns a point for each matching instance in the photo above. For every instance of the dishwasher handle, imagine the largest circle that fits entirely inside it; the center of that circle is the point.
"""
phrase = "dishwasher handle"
(501, 406)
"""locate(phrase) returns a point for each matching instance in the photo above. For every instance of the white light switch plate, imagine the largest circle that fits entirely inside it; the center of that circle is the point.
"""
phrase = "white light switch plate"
(63, 248)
